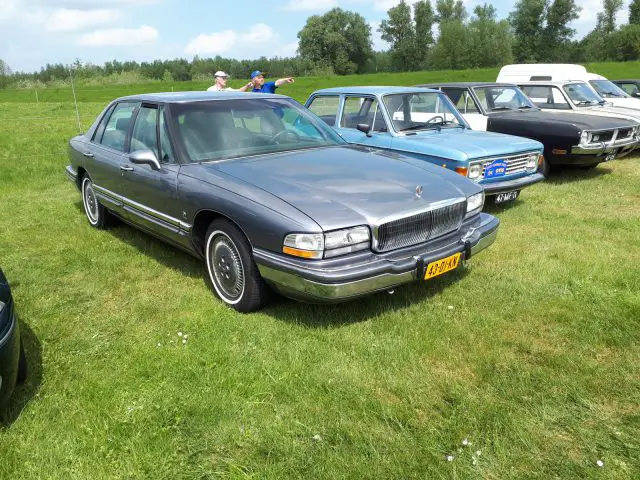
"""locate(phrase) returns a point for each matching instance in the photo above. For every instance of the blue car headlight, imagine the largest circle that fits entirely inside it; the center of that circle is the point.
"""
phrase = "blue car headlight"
(474, 204)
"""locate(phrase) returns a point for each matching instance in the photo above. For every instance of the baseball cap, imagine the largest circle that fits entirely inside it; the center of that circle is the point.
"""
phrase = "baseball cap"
(256, 73)
(220, 73)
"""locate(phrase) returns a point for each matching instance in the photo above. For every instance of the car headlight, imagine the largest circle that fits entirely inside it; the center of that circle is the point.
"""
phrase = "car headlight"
(475, 171)
(532, 161)
(475, 204)
(585, 138)
(327, 245)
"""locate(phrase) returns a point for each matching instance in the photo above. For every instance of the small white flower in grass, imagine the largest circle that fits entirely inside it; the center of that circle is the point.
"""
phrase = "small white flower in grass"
(179, 334)
(465, 442)
(159, 344)
(186, 336)
(450, 307)
(600, 463)
(449, 458)
(478, 452)
(184, 341)
(317, 438)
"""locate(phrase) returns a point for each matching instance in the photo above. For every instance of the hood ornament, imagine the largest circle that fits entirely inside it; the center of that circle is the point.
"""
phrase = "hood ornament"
(419, 191)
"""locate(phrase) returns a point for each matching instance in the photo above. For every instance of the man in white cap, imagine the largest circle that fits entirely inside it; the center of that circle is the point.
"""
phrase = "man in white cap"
(221, 84)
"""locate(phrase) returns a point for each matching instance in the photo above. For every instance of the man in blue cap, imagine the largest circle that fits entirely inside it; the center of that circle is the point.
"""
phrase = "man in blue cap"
(259, 85)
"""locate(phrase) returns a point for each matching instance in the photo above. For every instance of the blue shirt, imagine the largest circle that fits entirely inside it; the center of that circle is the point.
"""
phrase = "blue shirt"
(269, 87)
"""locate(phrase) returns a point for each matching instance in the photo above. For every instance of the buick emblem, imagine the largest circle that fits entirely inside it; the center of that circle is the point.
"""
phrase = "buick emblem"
(419, 191)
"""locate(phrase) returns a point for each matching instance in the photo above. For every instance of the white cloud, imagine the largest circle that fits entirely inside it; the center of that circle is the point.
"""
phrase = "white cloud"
(217, 43)
(259, 33)
(376, 38)
(120, 37)
(310, 5)
(212, 44)
(287, 50)
(65, 20)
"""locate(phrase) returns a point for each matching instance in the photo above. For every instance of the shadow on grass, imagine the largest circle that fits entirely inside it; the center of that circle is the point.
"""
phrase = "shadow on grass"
(24, 392)
(493, 208)
(361, 309)
(164, 253)
(567, 174)
(284, 309)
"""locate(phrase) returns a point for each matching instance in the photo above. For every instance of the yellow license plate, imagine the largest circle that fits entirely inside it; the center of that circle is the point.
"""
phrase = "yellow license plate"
(442, 266)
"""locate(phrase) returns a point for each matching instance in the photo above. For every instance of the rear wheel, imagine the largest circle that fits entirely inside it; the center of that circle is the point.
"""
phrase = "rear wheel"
(232, 270)
(96, 214)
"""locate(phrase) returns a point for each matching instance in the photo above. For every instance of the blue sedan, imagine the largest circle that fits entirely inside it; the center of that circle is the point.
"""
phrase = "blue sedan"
(425, 124)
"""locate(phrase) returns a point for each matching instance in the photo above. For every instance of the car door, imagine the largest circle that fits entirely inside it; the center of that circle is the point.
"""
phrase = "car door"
(107, 151)
(363, 110)
(151, 195)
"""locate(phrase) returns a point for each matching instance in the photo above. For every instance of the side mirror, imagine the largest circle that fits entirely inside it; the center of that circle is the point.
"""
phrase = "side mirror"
(145, 157)
(364, 128)
(636, 95)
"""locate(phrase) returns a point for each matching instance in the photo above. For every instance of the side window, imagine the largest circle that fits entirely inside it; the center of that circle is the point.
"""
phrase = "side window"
(544, 96)
(97, 135)
(166, 150)
(145, 131)
(326, 107)
(630, 88)
(359, 110)
(115, 132)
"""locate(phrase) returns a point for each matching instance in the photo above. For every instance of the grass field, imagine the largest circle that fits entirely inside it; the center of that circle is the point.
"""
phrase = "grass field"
(530, 355)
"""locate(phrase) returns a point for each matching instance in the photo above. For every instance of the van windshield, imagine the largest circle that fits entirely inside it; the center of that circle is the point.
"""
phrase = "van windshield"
(582, 95)
(608, 89)
(496, 98)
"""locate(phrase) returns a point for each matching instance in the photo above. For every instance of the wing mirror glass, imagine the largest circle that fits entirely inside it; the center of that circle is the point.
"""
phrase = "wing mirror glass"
(145, 157)
(364, 128)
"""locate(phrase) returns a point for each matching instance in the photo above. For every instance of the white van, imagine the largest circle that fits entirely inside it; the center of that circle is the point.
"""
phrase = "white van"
(532, 72)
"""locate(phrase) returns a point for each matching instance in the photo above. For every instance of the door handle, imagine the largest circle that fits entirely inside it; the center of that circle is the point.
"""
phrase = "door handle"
(88, 154)
(126, 168)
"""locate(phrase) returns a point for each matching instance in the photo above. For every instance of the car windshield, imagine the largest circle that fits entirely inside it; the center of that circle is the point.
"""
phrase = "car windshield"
(422, 111)
(496, 98)
(608, 89)
(223, 129)
(582, 95)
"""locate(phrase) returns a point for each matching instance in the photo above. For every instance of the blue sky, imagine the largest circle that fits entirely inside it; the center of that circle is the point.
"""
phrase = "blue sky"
(36, 32)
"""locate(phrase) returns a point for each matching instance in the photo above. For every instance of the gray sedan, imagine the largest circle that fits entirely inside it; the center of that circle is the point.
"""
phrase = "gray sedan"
(271, 198)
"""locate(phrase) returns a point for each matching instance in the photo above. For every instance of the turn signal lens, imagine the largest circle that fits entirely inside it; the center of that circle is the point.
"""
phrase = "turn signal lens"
(296, 252)
(462, 171)
(540, 160)
(304, 245)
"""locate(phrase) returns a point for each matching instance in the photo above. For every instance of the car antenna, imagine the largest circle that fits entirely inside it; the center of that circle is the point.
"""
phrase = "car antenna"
(75, 100)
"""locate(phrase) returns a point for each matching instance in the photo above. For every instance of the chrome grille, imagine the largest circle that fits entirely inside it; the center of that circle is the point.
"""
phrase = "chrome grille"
(515, 163)
(421, 227)
(624, 133)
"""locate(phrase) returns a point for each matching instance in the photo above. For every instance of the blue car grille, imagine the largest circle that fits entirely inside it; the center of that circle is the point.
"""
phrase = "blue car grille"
(515, 163)
(421, 227)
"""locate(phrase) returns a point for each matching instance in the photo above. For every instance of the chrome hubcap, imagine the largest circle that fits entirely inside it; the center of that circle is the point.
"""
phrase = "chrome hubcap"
(90, 202)
(227, 268)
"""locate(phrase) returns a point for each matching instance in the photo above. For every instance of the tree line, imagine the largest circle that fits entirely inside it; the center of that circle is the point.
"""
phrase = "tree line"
(422, 36)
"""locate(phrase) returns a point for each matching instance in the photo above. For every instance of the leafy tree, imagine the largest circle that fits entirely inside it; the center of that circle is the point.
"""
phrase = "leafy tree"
(634, 12)
(449, 10)
(424, 19)
(607, 18)
(454, 47)
(339, 39)
(556, 34)
(527, 20)
(626, 43)
(491, 40)
(398, 30)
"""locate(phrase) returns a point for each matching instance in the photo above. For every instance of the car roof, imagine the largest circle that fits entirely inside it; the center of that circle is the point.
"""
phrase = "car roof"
(555, 83)
(369, 90)
(625, 80)
(467, 84)
(186, 97)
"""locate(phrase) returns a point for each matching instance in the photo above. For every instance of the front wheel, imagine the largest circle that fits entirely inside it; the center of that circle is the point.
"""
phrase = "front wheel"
(232, 270)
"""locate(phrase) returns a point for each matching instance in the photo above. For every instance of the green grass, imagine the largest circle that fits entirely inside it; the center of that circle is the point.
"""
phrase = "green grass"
(531, 353)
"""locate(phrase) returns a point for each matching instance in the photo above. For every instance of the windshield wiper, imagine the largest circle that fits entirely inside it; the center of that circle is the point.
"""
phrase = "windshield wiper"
(585, 102)
(500, 108)
(524, 106)
(415, 127)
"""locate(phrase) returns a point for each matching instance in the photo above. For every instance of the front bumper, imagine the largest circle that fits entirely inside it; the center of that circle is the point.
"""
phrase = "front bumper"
(9, 355)
(582, 156)
(495, 188)
(335, 280)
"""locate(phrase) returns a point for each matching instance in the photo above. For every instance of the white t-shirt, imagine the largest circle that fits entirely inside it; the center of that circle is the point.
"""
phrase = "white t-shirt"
(216, 88)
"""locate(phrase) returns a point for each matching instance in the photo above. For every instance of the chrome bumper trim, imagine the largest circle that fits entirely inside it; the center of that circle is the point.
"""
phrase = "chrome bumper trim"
(494, 188)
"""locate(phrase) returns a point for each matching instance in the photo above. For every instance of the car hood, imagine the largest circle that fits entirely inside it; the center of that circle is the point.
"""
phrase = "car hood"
(581, 122)
(464, 144)
(339, 187)
(633, 103)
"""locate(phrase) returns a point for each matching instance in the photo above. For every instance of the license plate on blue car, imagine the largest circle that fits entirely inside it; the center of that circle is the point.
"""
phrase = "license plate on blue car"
(507, 196)
(497, 168)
